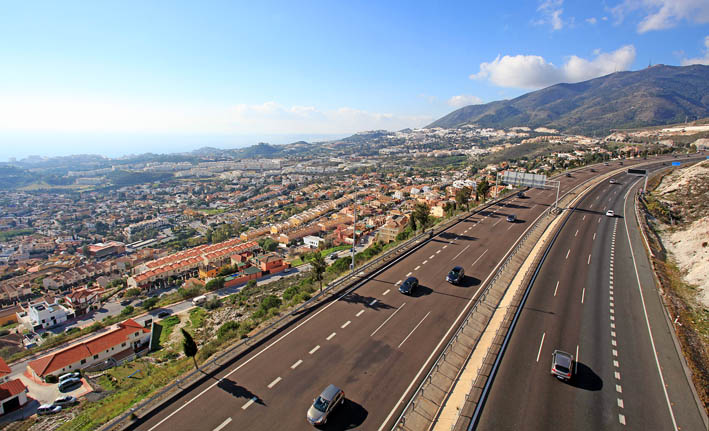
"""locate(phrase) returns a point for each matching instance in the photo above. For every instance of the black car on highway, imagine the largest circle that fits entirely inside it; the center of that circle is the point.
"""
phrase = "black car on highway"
(409, 285)
(456, 275)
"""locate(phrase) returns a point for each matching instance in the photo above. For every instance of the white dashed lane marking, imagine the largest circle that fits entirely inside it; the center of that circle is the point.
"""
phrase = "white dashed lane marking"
(346, 324)
(297, 363)
(387, 291)
(316, 348)
(223, 424)
(331, 336)
(248, 403)
(274, 383)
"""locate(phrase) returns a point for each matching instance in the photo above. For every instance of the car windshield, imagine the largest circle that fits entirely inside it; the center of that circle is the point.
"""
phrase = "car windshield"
(562, 368)
(454, 272)
(321, 404)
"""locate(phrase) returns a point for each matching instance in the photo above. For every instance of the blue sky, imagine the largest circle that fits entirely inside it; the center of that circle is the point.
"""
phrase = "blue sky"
(133, 76)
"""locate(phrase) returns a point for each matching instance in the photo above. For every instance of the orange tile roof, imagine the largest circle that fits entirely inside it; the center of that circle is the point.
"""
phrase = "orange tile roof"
(73, 354)
(4, 369)
(11, 388)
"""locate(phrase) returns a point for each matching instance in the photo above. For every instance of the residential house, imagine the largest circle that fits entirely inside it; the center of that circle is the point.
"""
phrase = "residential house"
(13, 393)
(80, 301)
(313, 241)
(120, 343)
(43, 315)
(393, 227)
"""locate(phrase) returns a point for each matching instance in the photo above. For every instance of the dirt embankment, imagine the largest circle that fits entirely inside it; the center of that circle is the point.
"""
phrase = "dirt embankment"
(677, 222)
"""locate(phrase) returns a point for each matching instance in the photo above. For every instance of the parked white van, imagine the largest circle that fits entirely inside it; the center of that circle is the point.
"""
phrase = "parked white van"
(197, 300)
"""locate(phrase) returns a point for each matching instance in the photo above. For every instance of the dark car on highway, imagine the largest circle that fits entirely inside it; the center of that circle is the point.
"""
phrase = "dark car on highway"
(511, 218)
(456, 275)
(409, 285)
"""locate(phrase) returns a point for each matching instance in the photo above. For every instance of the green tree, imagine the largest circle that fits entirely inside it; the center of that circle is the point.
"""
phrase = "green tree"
(421, 214)
(268, 244)
(215, 284)
(189, 346)
(462, 197)
(483, 188)
(150, 303)
(317, 262)
(132, 292)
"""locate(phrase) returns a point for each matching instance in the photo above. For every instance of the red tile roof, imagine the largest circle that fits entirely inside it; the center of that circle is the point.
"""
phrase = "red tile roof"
(4, 369)
(73, 354)
(11, 388)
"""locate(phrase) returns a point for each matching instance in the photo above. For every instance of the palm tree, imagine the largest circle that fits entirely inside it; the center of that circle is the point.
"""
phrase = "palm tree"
(189, 346)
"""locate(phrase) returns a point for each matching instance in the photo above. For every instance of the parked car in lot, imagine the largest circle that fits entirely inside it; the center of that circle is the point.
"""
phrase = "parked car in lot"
(456, 275)
(323, 405)
(561, 365)
(48, 409)
(409, 285)
(68, 384)
(66, 400)
(126, 302)
(67, 376)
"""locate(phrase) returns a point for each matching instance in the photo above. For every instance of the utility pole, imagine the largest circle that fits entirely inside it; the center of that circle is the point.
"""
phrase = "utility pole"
(354, 234)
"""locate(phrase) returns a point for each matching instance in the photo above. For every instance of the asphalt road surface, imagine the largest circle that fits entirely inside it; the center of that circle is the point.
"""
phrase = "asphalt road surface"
(587, 301)
(375, 343)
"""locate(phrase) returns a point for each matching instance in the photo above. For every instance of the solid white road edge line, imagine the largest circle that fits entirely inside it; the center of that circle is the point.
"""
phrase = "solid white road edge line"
(466, 247)
(387, 319)
(412, 331)
(647, 320)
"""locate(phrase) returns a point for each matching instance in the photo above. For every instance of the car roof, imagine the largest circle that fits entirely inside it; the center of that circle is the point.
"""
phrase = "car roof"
(330, 392)
(562, 358)
(410, 279)
(457, 268)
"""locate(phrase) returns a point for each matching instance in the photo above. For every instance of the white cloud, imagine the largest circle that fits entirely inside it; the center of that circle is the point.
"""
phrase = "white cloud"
(663, 14)
(591, 20)
(551, 11)
(699, 60)
(43, 114)
(464, 100)
(533, 71)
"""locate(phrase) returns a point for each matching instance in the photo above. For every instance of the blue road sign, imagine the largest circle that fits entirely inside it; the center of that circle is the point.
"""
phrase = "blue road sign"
(678, 163)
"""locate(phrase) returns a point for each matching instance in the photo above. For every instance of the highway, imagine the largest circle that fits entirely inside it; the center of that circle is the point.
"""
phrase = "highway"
(595, 298)
(374, 342)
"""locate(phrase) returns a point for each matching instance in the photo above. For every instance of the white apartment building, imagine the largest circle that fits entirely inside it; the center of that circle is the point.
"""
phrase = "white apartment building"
(43, 315)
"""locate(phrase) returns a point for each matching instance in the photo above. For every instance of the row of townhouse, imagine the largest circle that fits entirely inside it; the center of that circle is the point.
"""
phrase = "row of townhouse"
(186, 264)
(82, 274)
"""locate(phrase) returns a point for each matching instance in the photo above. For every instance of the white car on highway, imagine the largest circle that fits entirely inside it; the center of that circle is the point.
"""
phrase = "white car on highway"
(610, 213)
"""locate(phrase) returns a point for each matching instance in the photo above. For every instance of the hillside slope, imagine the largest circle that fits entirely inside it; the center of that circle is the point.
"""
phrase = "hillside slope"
(654, 96)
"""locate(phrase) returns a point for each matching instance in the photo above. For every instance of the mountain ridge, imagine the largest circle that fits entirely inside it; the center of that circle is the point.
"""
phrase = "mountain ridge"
(653, 96)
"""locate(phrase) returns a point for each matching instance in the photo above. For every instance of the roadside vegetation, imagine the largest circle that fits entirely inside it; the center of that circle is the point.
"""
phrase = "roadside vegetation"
(690, 317)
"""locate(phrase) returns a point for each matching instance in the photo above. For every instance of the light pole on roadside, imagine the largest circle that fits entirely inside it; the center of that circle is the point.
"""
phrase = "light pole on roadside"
(354, 234)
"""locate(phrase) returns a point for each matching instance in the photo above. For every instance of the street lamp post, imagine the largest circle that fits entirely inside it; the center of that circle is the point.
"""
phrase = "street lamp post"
(354, 234)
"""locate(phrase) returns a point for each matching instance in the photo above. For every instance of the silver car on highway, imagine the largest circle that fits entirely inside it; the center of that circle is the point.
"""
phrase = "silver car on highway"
(324, 404)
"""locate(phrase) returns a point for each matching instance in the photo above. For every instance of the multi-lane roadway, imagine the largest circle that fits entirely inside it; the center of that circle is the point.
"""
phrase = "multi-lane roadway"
(373, 342)
(595, 298)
